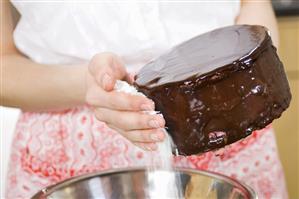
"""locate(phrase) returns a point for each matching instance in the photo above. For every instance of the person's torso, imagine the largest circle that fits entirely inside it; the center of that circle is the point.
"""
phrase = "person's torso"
(71, 32)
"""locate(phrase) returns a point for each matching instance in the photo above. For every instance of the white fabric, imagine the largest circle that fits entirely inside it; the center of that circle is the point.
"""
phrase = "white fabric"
(8, 120)
(69, 32)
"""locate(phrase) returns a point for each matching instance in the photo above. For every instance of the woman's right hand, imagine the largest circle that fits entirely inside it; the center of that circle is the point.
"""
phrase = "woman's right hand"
(120, 111)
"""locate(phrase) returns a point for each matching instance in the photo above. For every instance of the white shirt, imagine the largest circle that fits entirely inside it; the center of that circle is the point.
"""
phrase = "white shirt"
(70, 32)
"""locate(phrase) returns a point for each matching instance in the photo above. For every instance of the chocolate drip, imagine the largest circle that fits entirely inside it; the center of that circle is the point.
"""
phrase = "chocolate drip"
(217, 88)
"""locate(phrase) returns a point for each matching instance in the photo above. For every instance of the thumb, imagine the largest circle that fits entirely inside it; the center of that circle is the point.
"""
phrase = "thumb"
(107, 68)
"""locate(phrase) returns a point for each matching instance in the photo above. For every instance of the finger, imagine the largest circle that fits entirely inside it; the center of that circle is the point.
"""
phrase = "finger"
(107, 68)
(145, 136)
(127, 120)
(146, 146)
(118, 100)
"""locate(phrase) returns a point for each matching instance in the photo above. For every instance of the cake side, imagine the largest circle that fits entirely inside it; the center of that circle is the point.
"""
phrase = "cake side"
(209, 111)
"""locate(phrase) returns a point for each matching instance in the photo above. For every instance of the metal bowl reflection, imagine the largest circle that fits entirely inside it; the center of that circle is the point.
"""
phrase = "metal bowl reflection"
(134, 183)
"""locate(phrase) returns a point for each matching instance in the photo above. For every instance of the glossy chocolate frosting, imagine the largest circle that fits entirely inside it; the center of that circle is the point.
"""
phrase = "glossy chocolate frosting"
(217, 88)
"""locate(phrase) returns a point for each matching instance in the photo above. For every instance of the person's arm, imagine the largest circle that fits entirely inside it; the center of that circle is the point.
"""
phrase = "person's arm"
(36, 87)
(259, 13)
(31, 86)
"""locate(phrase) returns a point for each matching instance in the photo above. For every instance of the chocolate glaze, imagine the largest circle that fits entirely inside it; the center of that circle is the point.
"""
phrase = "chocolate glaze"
(217, 88)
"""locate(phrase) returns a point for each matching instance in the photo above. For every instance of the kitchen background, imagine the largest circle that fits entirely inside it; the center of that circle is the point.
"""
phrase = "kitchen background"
(287, 127)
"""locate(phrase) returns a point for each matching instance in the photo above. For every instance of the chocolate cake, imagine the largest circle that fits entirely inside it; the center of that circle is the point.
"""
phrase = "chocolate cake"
(217, 88)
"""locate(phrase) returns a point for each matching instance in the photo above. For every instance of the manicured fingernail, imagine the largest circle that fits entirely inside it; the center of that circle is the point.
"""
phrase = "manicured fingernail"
(155, 137)
(146, 107)
(106, 80)
(161, 115)
(154, 124)
(153, 147)
(148, 148)
(162, 134)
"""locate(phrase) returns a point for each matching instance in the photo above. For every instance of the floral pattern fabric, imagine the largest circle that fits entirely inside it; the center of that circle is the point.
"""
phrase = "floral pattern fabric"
(51, 147)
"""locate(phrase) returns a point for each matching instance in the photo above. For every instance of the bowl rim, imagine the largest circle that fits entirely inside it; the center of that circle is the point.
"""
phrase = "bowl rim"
(43, 193)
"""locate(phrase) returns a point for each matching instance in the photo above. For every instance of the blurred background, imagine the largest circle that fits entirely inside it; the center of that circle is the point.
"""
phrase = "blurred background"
(287, 127)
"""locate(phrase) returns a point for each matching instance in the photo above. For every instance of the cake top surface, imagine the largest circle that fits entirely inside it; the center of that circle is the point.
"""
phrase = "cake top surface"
(203, 54)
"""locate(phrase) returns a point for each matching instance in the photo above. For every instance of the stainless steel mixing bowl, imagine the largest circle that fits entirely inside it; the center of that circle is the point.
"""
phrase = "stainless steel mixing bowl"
(136, 183)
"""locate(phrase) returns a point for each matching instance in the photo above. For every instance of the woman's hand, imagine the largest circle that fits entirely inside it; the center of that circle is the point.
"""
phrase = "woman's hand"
(121, 112)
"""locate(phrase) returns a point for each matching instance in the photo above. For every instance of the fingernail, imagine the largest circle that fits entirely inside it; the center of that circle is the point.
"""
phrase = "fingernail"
(154, 124)
(155, 137)
(148, 148)
(106, 80)
(146, 107)
(153, 147)
(160, 114)
(162, 120)
(162, 134)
